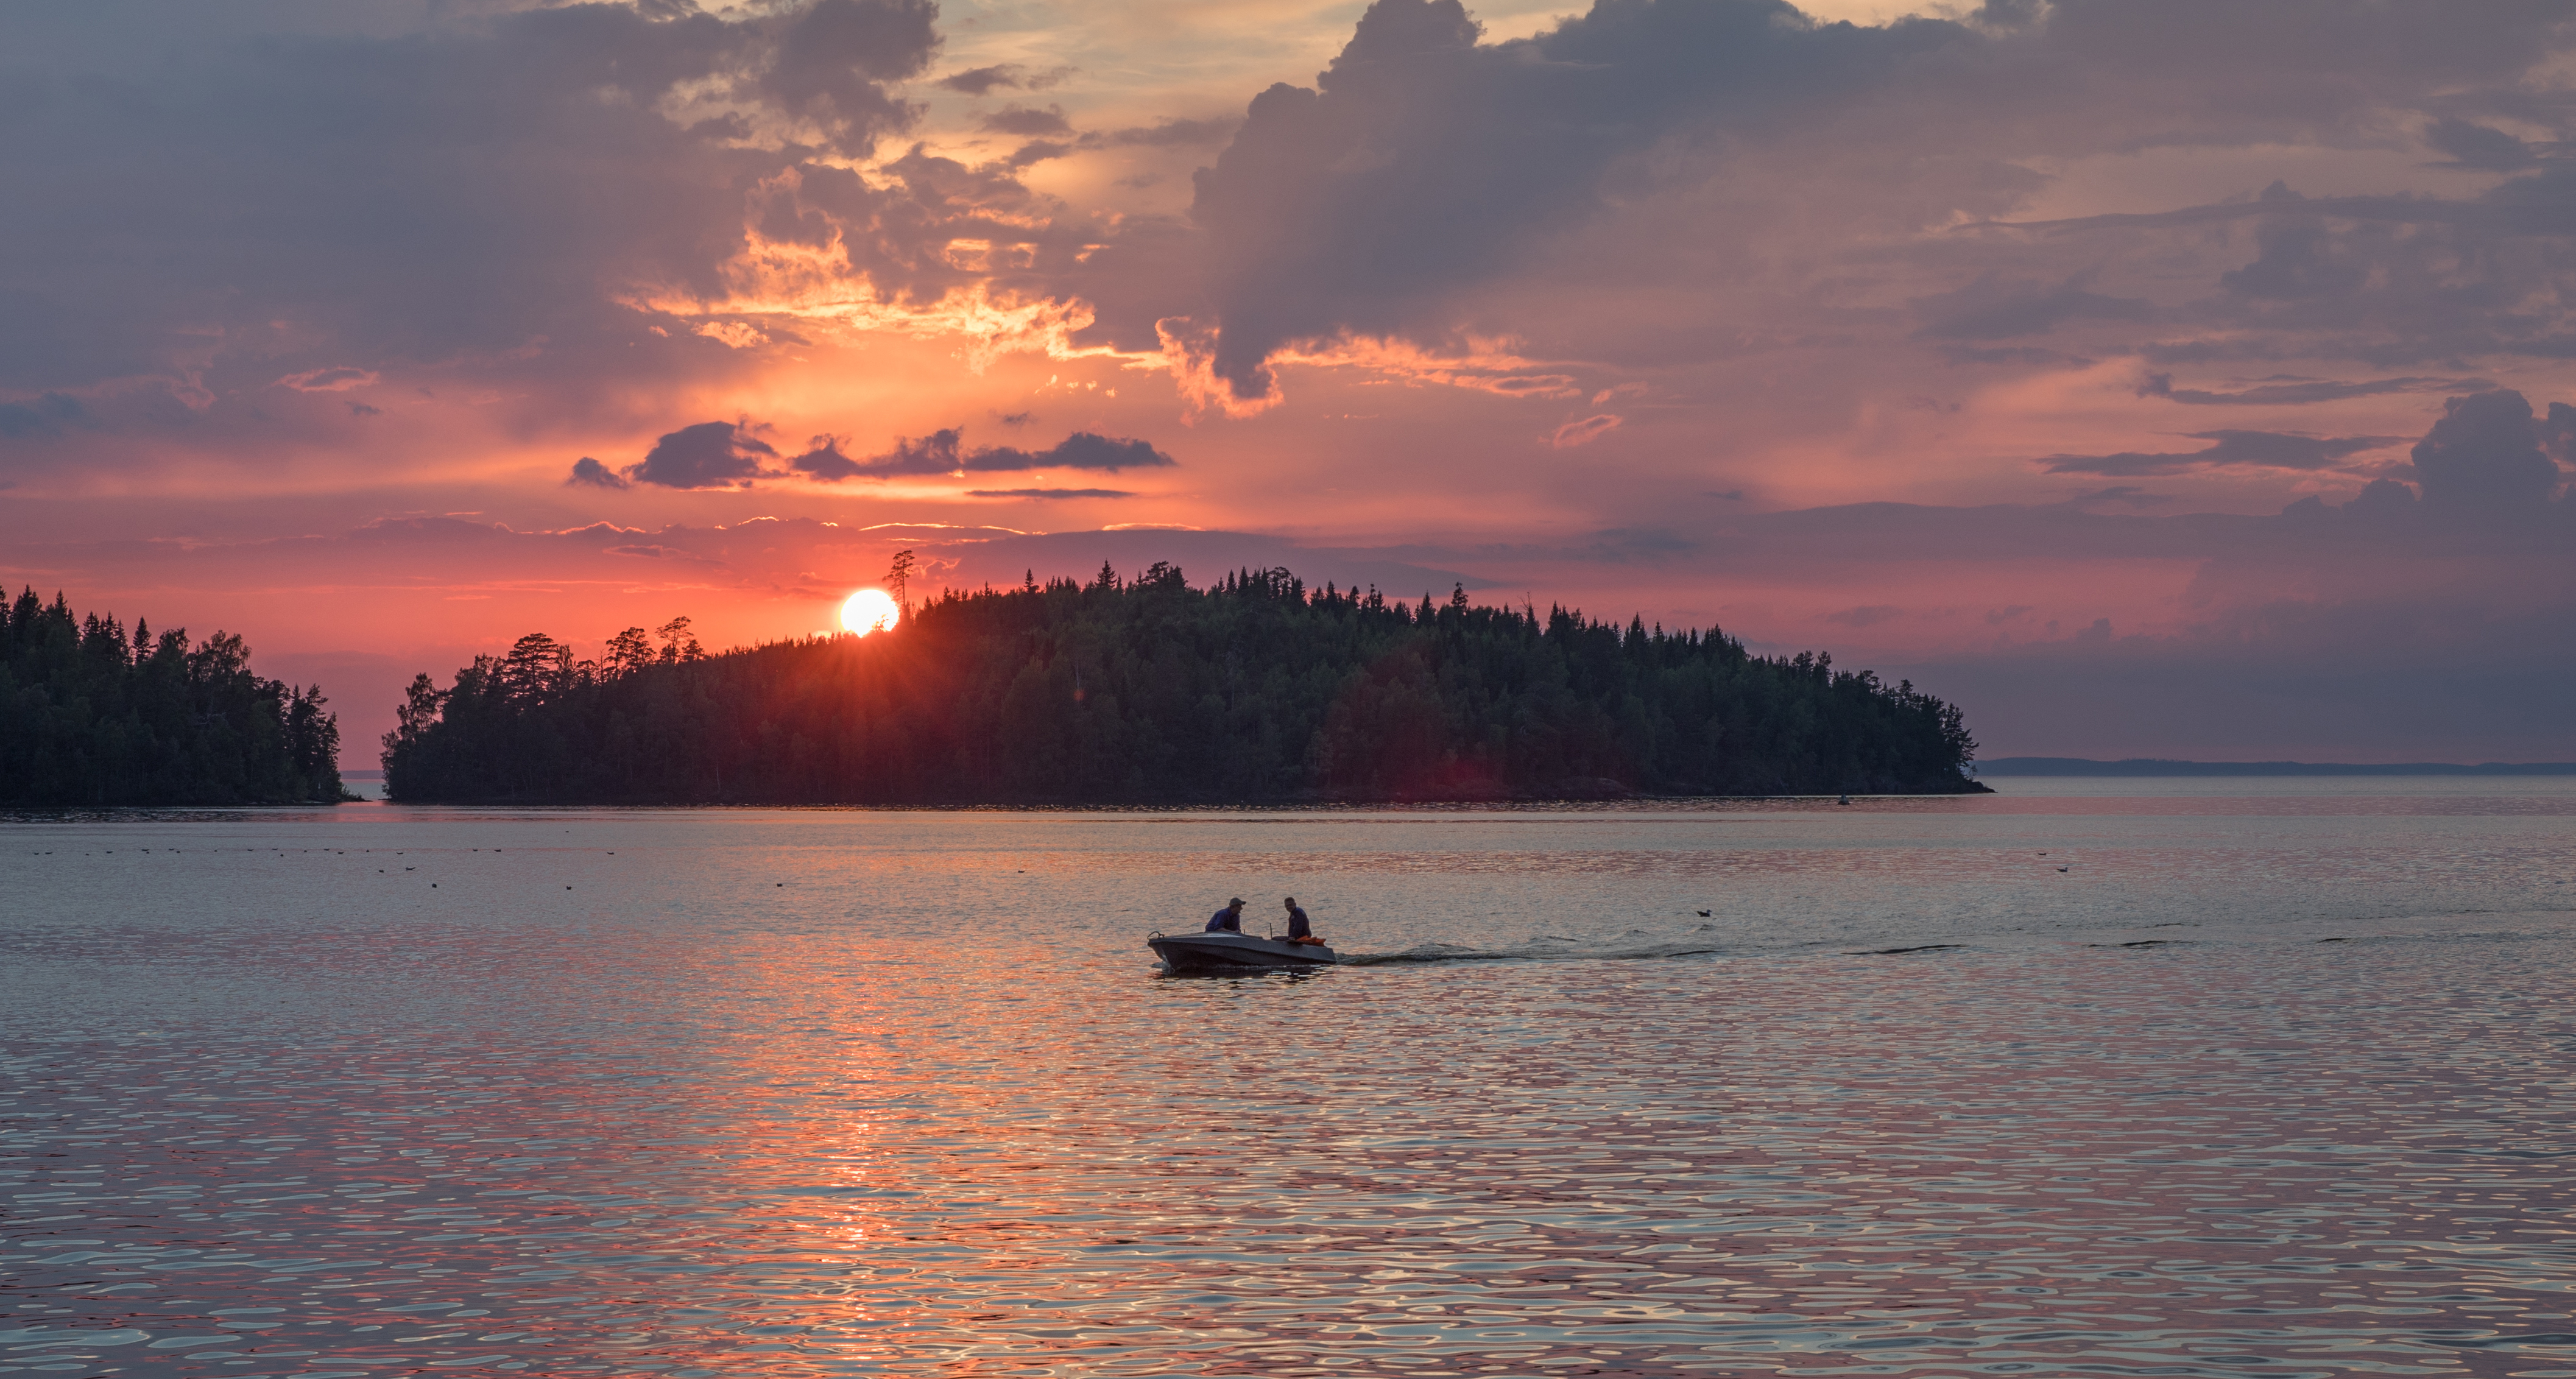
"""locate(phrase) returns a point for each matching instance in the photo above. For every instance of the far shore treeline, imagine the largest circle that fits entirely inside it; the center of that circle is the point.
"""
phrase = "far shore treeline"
(1150, 691)
(91, 717)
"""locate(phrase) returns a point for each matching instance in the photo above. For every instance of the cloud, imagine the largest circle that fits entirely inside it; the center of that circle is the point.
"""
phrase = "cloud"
(823, 459)
(2477, 146)
(2248, 449)
(1866, 616)
(936, 453)
(1048, 493)
(41, 416)
(1165, 134)
(1422, 161)
(711, 454)
(943, 452)
(1998, 308)
(1584, 432)
(2285, 390)
(2487, 453)
(589, 471)
(1036, 151)
(328, 380)
(343, 204)
(829, 57)
(1653, 150)
(2387, 281)
(1026, 121)
(1084, 450)
(983, 81)
(978, 81)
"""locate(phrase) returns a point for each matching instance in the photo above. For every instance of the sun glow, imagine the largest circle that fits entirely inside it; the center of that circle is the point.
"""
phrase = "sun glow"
(870, 610)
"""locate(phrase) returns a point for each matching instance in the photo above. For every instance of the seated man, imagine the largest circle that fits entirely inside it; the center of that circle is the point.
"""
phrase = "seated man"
(1228, 920)
(1299, 931)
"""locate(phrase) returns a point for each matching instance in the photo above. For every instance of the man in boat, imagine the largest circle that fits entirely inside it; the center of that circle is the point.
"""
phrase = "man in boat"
(1299, 931)
(1228, 920)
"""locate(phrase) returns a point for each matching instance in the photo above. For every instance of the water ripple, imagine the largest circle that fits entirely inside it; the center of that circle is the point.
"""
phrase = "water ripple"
(664, 1132)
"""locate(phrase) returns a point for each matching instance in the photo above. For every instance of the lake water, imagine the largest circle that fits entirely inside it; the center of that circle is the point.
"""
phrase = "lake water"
(2266, 1077)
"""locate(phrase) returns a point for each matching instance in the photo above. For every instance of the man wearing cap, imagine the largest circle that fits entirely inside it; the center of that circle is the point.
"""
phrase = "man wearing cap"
(1228, 920)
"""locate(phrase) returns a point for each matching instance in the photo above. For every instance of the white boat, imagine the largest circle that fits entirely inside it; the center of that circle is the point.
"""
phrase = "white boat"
(1220, 950)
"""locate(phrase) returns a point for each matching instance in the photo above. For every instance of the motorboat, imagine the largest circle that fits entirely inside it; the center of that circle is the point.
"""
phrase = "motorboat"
(1220, 950)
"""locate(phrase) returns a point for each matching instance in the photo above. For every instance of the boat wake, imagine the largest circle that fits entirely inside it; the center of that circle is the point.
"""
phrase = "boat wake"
(1543, 950)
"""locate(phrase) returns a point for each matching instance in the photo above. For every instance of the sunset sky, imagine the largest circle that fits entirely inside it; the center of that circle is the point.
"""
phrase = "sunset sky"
(2172, 378)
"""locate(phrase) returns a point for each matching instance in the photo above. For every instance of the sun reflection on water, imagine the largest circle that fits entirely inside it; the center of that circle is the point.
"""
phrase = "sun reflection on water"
(806, 1095)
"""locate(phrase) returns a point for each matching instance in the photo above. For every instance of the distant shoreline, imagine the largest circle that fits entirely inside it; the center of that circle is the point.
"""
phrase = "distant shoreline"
(2152, 766)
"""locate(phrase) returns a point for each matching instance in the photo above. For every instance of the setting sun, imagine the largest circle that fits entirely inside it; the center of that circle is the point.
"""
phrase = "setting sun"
(870, 610)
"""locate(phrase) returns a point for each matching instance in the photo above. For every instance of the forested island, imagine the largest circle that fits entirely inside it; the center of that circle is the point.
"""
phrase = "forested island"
(93, 717)
(1151, 691)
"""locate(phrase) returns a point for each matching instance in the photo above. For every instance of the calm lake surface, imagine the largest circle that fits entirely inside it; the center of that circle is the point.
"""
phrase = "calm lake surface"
(2235, 1077)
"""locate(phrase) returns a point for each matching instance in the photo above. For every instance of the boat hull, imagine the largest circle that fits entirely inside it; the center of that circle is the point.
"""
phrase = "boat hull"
(1224, 952)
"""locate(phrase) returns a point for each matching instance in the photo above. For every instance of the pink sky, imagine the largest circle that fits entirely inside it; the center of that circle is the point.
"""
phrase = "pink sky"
(2081, 361)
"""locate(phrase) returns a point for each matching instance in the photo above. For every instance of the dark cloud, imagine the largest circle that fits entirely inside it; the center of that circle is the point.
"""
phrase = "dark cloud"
(2389, 281)
(936, 453)
(475, 197)
(2284, 390)
(2381, 498)
(2488, 453)
(1026, 121)
(711, 454)
(979, 81)
(1997, 308)
(2243, 449)
(1084, 450)
(2301, 259)
(1048, 493)
(2477, 146)
(943, 452)
(1167, 134)
(1426, 175)
(823, 459)
(983, 81)
(42, 416)
(829, 57)
(1421, 162)
(589, 471)
(1037, 151)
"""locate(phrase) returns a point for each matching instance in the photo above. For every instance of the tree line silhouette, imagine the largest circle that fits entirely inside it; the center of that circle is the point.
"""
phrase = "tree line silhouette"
(92, 717)
(1149, 690)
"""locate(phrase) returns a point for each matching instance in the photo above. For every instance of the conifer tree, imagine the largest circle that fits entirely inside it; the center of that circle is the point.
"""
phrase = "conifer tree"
(90, 717)
(1151, 690)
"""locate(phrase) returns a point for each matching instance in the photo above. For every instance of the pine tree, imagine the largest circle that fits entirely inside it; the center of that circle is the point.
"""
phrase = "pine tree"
(91, 717)
(1152, 690)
